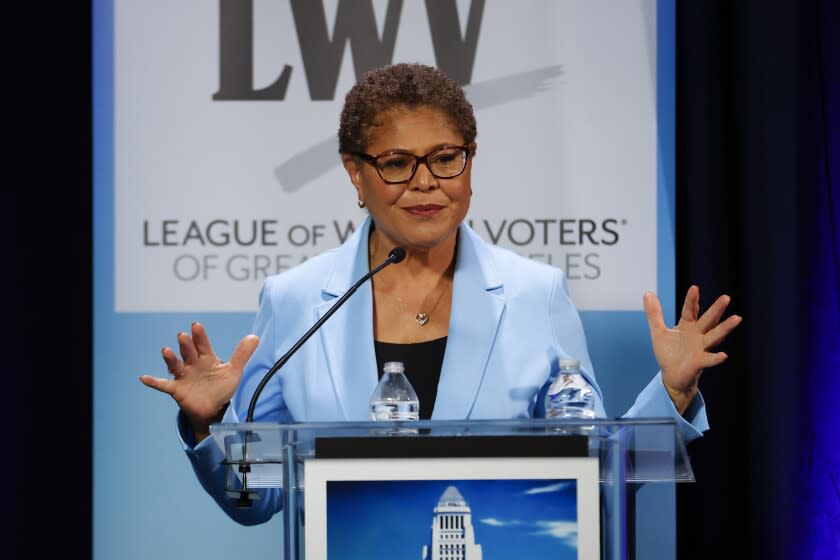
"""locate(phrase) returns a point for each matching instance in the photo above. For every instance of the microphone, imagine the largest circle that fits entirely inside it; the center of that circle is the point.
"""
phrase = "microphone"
(244, 500)
(396, 255)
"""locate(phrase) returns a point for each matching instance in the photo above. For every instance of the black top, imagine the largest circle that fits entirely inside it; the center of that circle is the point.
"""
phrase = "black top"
(423, 361)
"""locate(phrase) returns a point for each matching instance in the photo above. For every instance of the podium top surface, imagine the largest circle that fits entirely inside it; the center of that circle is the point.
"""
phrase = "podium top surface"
(644, 449)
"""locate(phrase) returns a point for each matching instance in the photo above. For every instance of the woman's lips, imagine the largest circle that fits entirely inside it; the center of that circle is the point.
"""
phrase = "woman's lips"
(424, 210)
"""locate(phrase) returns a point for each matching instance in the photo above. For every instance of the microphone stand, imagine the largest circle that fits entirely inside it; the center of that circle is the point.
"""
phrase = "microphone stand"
(396, 255)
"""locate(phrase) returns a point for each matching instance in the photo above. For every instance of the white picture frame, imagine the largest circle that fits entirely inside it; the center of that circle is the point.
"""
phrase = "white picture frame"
(331, 483)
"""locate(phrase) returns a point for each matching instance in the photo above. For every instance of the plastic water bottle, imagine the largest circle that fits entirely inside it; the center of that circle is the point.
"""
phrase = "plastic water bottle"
(394, 397)
(570, 396)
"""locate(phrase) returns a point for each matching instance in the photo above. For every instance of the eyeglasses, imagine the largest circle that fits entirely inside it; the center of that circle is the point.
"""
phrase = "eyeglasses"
(399, 167)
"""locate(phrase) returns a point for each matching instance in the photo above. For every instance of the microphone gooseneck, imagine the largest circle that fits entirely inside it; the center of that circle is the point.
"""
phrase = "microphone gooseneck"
(396, 255)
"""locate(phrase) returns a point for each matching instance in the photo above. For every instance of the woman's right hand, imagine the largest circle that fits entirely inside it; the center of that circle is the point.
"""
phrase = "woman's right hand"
(201, 383)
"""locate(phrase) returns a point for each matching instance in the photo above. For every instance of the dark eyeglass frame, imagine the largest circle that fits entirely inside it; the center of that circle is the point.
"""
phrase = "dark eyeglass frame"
(417, 160)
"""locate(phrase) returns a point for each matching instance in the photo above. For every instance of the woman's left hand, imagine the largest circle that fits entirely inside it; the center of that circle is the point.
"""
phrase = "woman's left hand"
(683, 351)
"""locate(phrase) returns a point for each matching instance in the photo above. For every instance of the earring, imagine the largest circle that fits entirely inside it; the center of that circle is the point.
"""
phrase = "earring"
(361, 203)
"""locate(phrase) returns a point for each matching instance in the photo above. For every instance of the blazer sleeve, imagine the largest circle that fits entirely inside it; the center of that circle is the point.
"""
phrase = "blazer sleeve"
(652, 402)
(570, 340)
(206, 457)
(206, 460)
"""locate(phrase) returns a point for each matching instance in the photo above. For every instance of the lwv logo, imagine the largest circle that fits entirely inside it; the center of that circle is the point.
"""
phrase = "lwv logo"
(355, 24)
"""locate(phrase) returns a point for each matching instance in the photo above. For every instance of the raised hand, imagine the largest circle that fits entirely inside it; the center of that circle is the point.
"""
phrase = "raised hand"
(201, 383)
(685, 350)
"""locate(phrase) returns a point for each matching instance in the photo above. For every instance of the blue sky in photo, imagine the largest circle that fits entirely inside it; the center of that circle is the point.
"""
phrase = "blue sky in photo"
(368, 518)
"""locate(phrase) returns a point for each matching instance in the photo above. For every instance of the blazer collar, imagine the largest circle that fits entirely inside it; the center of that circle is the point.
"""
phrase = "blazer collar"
(477, 307)
(347, 337)
(478, 304)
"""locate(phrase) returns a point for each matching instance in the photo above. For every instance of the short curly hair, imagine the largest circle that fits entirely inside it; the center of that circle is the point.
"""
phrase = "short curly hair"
(401, 85)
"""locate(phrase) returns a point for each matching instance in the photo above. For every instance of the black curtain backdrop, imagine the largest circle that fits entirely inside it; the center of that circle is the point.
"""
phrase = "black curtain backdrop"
(46, 280)
(744, 70)
(737, 216)
(750, 151)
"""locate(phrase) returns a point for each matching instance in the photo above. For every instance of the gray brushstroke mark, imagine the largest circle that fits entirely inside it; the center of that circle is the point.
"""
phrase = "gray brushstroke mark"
(306, 166)
(511, 88)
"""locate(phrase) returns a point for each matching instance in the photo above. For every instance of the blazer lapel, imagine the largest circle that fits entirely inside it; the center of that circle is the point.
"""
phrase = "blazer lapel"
(478, 304)
(347, 337)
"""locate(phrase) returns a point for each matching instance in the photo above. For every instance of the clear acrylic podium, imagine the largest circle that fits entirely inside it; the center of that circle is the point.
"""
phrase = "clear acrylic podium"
(627, 452)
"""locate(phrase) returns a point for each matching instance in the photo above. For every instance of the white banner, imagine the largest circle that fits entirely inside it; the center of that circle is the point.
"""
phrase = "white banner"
(225, 120)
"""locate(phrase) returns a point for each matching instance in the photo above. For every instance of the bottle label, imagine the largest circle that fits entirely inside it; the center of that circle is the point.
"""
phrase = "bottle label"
(568, 381)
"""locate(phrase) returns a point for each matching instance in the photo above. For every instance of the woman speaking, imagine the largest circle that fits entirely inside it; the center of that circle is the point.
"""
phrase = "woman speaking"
(479, 328)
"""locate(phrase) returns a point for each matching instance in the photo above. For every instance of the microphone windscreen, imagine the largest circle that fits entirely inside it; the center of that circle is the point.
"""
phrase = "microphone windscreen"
(398, 254)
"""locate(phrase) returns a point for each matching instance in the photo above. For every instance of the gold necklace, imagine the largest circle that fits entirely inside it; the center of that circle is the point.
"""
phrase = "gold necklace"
(422, 317)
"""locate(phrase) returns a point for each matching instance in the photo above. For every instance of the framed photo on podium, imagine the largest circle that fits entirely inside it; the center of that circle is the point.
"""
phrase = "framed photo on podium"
(452, 508)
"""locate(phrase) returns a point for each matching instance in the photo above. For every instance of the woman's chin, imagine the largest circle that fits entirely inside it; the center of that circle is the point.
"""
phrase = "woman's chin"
(428, 243)
(421, 235)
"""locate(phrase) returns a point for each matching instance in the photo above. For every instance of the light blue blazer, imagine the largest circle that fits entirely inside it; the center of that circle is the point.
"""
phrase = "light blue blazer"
(511, 322)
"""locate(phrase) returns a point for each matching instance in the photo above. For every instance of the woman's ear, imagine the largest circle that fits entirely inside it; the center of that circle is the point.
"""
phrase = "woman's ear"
(354, 170)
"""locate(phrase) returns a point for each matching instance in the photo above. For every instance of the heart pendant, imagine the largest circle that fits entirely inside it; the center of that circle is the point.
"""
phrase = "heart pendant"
(422, 318)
